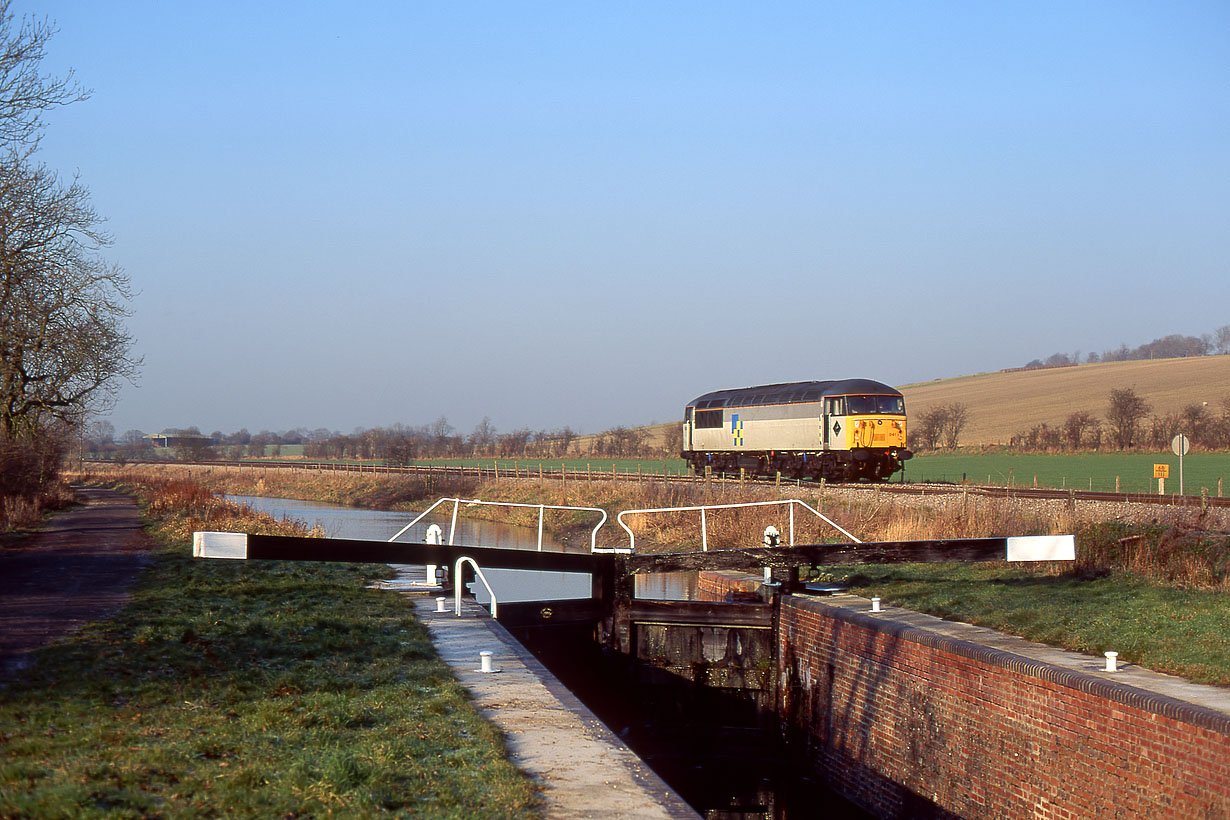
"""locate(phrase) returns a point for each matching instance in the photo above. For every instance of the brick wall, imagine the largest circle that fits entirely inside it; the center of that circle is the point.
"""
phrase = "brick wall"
(913, 723)
(726, 585)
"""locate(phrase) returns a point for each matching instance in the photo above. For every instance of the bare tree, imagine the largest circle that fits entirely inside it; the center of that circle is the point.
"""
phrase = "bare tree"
(1221, 339)
(63, 346)
(1127, 410)
(482, 438)
(1075, 427)
(928, 430)
(955, 421)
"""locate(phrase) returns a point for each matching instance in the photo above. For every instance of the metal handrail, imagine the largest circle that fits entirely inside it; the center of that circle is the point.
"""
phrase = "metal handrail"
(704, 532)
(542, 508)
(478, 572)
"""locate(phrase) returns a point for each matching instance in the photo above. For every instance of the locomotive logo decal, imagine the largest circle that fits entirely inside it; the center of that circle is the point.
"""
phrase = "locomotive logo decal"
(736, 429)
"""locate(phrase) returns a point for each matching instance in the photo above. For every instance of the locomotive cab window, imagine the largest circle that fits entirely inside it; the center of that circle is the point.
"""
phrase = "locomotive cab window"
(861, 405)
(894, 405)
(835, 407)
(708, 419)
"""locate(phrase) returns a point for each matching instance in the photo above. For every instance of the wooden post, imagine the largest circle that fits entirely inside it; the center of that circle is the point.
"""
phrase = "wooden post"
(1116, 483)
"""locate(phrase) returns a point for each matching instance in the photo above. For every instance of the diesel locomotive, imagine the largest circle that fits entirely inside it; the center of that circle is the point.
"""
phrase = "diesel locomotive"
(844, 430)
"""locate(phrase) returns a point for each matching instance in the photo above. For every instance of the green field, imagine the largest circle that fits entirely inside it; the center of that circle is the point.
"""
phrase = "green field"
(1082, 471)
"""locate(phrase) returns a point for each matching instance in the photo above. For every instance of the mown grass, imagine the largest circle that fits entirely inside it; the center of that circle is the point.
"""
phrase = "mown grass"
(265, 689)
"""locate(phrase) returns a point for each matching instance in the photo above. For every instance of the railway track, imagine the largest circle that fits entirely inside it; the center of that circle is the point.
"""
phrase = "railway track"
(564, 474)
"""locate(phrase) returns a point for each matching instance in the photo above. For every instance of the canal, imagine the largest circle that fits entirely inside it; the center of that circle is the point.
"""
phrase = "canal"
(719, 755)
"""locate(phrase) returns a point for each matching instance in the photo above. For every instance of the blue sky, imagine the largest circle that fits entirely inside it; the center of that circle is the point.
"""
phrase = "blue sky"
(354, 215)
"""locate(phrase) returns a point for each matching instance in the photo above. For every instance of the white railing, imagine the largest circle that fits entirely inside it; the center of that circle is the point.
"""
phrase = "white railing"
(542, 508)
(478, 572)
(704, 527)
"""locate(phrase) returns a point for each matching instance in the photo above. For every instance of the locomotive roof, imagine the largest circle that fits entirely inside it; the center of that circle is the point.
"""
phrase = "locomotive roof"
(791, 392)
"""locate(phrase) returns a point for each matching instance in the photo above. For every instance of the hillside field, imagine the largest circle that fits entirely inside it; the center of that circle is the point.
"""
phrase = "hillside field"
(1004, 404)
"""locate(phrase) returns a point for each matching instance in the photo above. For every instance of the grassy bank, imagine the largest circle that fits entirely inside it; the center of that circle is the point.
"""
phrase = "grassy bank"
(228, 689)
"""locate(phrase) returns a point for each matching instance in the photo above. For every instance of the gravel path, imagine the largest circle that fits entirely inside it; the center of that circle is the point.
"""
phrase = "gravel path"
(76, 569)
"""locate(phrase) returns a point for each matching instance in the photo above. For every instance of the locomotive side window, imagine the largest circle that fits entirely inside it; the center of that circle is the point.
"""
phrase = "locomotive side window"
(708, 419)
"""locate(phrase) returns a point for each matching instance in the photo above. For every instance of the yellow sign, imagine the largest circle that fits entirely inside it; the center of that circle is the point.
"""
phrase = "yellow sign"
(1161, 471)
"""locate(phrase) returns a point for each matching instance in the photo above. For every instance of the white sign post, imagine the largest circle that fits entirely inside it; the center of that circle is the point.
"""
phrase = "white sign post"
(1179, 445)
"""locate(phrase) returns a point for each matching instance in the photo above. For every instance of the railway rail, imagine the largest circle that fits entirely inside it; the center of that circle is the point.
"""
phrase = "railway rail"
(563, 474)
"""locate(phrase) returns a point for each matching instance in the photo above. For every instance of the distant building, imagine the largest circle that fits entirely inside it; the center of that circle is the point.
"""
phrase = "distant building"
(178, 438)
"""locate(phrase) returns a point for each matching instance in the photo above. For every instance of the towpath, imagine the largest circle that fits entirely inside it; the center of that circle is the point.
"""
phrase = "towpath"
(76, 569)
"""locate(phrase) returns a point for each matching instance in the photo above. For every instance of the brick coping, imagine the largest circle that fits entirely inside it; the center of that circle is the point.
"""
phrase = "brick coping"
(1200, 705)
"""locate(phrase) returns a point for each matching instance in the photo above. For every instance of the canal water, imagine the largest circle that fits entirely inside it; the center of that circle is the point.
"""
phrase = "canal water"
(723, 761)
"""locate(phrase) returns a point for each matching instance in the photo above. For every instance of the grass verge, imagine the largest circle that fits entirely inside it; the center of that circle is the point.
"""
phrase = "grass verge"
(235, 689)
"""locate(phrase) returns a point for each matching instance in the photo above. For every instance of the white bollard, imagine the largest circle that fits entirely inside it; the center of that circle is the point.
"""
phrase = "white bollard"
(440, 604)
(1111, 664)
(875, 604)
(435, 535)
(484, 661)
